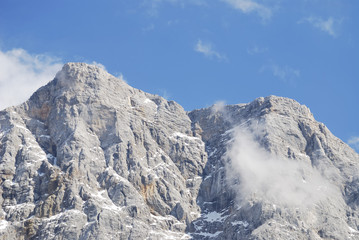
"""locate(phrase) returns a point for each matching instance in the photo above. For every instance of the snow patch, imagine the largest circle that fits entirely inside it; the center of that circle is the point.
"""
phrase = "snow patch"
(209, 176)
(182, 135)
(3, 134)
(169, 235)
(51, 157)
(210, 235)
(212, 152)
(3, 224)
(106, 202)
(147, 100)
(40, 122)
(243, 223)
(213, 217)
(59, 215)
(22, 127)
(229, 131)
(164, 218)
(45, 136)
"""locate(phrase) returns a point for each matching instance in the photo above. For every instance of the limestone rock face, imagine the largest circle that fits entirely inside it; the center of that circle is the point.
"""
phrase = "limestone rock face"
(89, 157)
(326, 192)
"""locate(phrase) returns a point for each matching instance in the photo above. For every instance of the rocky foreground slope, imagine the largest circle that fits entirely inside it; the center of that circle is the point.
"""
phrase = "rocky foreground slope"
(89, 157)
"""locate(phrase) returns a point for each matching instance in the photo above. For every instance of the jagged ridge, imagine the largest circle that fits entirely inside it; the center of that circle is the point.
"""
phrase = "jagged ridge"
(89, 157)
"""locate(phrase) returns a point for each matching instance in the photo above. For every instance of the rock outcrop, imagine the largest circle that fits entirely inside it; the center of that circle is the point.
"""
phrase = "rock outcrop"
(89, 157)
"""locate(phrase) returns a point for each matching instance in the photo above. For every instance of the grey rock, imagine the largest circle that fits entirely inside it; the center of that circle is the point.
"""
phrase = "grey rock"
(288, 131)
(89, 157)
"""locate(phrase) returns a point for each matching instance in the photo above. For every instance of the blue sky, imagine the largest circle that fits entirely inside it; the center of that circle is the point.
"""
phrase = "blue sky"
(195, 52)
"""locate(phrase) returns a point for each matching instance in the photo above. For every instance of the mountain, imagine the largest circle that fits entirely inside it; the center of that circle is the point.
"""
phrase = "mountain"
(89, 157)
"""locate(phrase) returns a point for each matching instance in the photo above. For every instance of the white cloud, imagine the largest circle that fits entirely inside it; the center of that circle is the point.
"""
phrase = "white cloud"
(256, 50)
(22, 73)
(251, 6)
(148, 28)
(207, 50)
(354, 142)
(219, 106)
(164, 93)
(255, 173)
(245, 6)
(98, 65)
(329, 26)
(153, 6)
(121, 77)
(173, 22)
(284, 73)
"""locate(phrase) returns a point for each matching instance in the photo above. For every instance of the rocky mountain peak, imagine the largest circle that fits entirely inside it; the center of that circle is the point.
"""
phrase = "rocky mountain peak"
(82, 73)
(280, 105)
(89, 157)
(90, 81)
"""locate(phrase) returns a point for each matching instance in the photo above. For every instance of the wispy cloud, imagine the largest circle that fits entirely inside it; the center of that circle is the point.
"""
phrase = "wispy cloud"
(173, 22)
(121, 76)
(164, 93)
(153, 6)
(245, 6)
(256, 50)
(284, 73)
(328, 26)
(207, 49)
(354, 142)
(251, 6)
(253, 172)
(148, 28)
(100, 65)
(22, 73)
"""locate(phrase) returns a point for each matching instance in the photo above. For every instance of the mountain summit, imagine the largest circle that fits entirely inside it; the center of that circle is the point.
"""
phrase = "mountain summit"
(89, 157)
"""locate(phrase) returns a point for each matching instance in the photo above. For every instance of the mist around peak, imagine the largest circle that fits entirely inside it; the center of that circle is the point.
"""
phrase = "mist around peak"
(257, 174)
(261, 175)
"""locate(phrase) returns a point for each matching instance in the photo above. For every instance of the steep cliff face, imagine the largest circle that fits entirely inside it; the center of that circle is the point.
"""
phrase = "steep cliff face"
(89, 157)
(273, 172)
